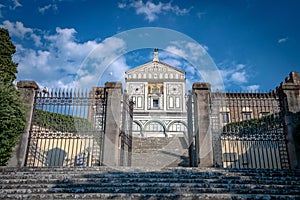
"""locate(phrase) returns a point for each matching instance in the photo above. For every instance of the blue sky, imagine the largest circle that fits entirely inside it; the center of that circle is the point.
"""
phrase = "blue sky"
(254, 44)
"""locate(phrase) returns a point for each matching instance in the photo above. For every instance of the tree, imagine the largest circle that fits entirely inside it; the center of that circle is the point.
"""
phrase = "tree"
(12, 120)
(8, 68)
(12, 112)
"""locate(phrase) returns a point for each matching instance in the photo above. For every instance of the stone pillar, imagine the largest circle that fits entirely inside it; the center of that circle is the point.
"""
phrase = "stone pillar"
(112, 123)
(202, 92)
(28, 90)
(290, 98)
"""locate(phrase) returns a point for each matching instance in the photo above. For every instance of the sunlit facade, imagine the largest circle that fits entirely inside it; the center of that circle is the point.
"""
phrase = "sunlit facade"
(158, 91)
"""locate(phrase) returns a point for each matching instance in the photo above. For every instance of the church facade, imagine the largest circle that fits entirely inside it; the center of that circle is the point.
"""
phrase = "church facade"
(158, 92)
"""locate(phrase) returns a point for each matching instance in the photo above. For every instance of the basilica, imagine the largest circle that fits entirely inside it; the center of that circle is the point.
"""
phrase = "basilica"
(158, 92)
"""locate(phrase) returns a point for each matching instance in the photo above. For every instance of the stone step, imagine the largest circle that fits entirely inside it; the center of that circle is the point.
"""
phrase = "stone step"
(16, 182)
(171, 176)
(193, 173)
(131, 189)
(137, 170)
(151, 175)
(158, 151)
(178, 185)
(147, 183)
(149, 196)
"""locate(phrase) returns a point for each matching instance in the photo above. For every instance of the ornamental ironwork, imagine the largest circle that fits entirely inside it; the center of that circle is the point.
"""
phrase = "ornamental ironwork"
(67, 128)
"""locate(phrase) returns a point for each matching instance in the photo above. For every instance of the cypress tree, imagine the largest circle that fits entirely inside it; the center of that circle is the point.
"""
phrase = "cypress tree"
(8, 68)
(12, 114)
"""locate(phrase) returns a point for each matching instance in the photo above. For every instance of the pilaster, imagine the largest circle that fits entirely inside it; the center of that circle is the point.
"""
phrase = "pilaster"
(204, 142)
(28, 91)
(112, 125)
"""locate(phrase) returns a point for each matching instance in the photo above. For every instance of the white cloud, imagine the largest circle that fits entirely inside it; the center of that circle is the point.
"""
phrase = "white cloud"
(240, 66)
(188, 50)
(236, 74)
(151, 10)
(175, 9)
(173, 62)
(48, 7)
(101, 61)
(56, 62)
(11, 5)
(65, 42)
(18, 30)
(121, 5)
(195, 61)
(15, 5)
(252, 88)
(177, 51)
(239, 77)
(282, 40)
(116, 71)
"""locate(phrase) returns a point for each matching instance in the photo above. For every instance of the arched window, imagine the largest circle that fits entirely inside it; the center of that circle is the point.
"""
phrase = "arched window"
(178, 127)
(154, 127)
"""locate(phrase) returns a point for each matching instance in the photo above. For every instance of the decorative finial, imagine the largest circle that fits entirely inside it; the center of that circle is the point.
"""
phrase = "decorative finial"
(155, 54)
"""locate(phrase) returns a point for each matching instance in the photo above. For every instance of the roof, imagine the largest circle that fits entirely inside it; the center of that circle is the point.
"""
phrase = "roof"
(152, 62)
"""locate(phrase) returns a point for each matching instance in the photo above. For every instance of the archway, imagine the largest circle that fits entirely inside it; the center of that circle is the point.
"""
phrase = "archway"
(154, 128)
(177, 128)
(137, 129)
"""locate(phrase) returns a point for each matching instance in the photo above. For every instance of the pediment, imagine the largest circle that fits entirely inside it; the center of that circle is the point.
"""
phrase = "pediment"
(155, 70)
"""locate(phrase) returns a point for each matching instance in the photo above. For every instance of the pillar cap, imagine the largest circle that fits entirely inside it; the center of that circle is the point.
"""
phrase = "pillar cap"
(28, 84)
(113, 85)
(201, 86)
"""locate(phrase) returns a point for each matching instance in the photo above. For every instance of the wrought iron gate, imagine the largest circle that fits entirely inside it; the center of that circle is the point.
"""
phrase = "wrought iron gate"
(126, 131)
(251, 129)
(67, 128)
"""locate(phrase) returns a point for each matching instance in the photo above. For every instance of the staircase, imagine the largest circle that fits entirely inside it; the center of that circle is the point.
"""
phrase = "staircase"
(159, 152)
(143, 183)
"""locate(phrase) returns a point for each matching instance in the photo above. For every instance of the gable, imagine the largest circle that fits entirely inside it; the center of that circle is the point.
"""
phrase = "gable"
(155, 71)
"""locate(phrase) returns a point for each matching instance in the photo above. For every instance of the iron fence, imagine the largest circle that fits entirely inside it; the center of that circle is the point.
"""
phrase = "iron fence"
(249, 130)
(67, 128)
(126, 131)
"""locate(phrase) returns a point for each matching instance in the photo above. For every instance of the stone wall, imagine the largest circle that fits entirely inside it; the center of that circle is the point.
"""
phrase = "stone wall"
(290, 99)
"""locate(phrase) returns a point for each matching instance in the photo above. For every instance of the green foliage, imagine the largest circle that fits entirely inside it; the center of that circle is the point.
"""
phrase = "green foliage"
(12, 120)
(8, 68)
(60, 122)
(12, 111)
(253, 126)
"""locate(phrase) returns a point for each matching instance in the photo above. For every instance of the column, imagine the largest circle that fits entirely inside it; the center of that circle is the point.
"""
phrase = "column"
(204, 141)
(28, 91)
(114, 95)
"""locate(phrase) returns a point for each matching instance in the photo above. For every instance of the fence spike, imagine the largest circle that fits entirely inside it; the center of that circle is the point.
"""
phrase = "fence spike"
(63, 93)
